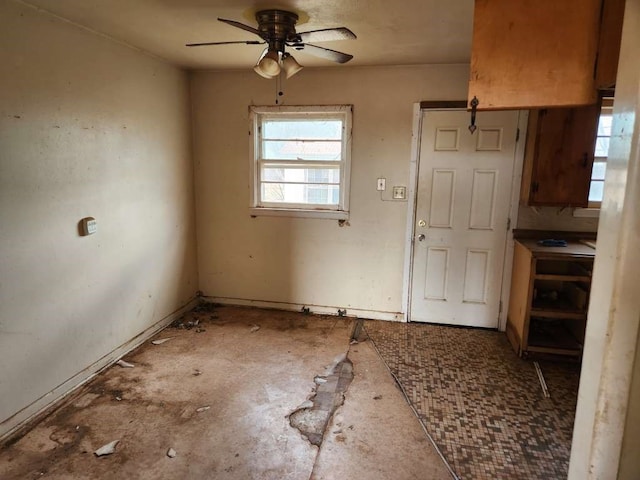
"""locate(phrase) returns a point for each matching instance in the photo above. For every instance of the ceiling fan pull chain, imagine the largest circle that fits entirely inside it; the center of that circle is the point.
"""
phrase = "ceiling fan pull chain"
(279, 92)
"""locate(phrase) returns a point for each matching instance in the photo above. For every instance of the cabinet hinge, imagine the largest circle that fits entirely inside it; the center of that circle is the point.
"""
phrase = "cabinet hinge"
(517, 134)
(508, 224)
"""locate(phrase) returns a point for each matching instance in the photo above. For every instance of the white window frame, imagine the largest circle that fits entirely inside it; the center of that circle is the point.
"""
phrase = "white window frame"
(593, 208)
(607, 109)
(257, 206)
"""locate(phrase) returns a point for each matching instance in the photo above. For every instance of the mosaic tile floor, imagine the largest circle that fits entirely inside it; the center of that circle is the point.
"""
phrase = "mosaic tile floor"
(482, 405)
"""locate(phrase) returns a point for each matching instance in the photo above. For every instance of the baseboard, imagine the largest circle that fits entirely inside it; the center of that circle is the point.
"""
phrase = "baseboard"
(42, 406)
(319, 309)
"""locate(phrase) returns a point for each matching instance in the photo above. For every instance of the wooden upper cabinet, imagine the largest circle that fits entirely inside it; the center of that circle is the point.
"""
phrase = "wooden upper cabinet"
(559, 156)
(609, 43)
(533, 53)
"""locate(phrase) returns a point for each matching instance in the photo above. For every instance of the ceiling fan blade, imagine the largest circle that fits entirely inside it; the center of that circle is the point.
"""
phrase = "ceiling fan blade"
(327, 35)
(322, 52)
(242, 26)
(246, 42)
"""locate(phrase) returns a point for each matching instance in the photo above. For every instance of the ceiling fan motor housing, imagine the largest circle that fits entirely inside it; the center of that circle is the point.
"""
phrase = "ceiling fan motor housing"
(277, 27)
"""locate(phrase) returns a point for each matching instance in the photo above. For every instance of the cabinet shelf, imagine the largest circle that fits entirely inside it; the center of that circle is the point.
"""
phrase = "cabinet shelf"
(563, 278)
(559, 314)
(549, 299)
(551, 337)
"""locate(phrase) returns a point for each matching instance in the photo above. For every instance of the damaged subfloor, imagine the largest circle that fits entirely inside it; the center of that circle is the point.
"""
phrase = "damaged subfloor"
(234, 393)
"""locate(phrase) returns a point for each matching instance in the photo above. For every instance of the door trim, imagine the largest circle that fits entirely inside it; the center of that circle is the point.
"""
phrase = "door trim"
(414, 170)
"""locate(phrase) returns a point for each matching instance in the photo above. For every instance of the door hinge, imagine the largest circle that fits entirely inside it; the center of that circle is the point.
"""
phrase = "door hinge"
(508, 224)
(500, 307)
(517, 134)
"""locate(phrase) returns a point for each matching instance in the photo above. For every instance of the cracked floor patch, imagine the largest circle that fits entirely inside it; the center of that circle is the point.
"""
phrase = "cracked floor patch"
(313, 416)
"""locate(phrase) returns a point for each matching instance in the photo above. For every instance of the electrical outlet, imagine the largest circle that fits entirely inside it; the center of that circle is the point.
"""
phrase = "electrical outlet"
(382, 184)
(399, 193)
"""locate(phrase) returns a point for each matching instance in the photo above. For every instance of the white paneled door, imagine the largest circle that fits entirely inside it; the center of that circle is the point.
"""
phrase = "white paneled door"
(462, 210)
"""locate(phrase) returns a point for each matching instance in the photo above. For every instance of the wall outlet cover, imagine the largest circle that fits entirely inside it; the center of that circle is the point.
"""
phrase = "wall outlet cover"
(399, 193)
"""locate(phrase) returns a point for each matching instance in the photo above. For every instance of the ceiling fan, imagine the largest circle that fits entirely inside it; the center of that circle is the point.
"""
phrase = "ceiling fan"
(277, 29)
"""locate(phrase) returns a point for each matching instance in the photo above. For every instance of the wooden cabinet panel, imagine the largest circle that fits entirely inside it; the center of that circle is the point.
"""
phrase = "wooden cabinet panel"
(532, 54)
(609, 43)
(549, 297)
(559, 156)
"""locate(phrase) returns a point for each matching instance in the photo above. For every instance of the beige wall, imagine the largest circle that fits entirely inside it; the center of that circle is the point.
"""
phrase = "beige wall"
(554, 218)
(88, 127)
(310, 261)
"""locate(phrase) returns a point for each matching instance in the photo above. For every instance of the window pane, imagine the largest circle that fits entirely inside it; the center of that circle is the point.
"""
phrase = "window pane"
(301, 193)
(272, 192)
(604, 125)
(599, 169)
(595, 191)
(301, 175)
(273, 174)
(322, 194)
(303, 150)
(602, 147)
(302, 129)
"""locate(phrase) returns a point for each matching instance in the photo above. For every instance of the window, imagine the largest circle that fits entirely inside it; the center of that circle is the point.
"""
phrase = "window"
(601, 153)
(300, 161)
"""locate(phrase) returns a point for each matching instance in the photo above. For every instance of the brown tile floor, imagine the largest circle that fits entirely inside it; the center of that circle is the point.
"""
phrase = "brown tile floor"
(482, 405)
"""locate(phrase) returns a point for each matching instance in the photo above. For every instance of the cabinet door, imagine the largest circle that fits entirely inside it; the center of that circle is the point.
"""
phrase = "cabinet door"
(609, 43)
(560, 156)
(532, 54)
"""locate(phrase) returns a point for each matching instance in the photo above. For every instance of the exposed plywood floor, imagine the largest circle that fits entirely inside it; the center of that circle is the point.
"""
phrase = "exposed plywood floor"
(483, 406)
(251, 379)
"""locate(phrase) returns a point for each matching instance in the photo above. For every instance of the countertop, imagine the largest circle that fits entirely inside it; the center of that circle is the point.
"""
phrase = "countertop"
(574, 248)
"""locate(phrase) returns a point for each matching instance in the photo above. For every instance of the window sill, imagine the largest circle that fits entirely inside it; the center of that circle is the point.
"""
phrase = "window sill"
(298, 213)
(586, 212)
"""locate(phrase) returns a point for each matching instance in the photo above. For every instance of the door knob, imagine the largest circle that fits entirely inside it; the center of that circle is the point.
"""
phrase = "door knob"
(421, 237)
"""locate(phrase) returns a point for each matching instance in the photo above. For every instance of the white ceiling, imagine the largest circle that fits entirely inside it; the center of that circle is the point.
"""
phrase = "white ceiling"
(400, 32)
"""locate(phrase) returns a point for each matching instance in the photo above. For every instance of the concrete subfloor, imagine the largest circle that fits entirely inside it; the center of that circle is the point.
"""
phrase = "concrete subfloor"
(251, 379)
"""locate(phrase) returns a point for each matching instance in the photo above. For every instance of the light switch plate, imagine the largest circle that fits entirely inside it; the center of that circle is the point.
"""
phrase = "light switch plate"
(382, 184)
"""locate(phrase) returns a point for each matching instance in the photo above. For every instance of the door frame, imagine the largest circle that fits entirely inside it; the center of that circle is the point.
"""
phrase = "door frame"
(414, 169)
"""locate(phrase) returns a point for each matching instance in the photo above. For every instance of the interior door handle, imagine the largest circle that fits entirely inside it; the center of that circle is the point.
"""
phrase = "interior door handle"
(421, 237)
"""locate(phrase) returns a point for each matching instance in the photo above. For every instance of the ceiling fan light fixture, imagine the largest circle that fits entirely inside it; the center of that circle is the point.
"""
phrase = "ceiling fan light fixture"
(290, 65)
(269, 64)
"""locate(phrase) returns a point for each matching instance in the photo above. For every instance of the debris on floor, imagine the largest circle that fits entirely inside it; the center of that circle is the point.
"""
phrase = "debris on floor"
(123, 364)
(188, 325)
(543, 384)
(171, 453)
(107, 449)
(305, 404)
(196, 373)
(205, 307)
(203, 409)
(161, 341)
(254, 328)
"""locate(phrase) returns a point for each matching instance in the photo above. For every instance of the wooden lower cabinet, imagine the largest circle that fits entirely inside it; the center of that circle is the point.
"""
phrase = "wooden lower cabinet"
(549, 298)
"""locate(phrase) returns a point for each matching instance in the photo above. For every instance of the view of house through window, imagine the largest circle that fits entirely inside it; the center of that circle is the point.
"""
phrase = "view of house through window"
(301, 158)
(601, 154)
